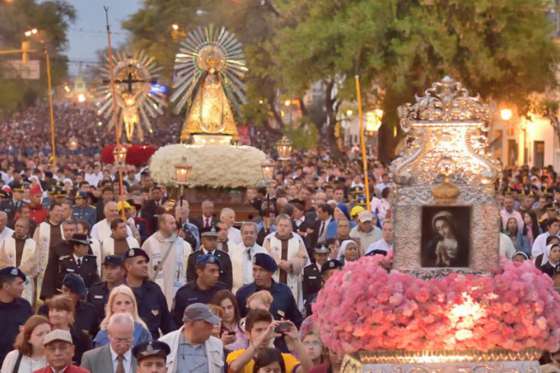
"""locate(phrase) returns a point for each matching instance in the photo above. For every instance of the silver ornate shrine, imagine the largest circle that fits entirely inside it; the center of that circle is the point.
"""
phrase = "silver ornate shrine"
(445, 180)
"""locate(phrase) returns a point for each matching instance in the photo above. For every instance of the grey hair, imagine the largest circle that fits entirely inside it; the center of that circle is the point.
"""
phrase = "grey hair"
(249, 224)
(121, 318)
(282, 217)
(227, 210)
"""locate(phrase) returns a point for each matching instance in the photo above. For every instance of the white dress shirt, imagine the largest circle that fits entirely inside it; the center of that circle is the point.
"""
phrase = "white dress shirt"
(6, 232)
(127, 362)
(234, 235)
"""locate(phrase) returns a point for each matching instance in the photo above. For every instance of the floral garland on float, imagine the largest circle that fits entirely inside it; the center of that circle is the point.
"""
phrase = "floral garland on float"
(213, 165)
(365, 308)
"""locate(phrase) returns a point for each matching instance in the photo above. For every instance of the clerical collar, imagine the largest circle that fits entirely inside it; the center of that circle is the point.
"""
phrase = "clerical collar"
(17, 238)
(288, 237)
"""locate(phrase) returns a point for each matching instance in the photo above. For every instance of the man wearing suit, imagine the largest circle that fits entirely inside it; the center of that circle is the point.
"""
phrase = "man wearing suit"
(117, 355)
(324, 228)
(150, 209)
(207, 220)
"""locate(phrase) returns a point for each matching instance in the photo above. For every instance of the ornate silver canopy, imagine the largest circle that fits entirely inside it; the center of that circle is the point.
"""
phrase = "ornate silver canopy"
(446, 138)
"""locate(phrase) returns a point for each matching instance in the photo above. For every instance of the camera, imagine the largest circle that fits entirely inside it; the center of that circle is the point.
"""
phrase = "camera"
(283, 327)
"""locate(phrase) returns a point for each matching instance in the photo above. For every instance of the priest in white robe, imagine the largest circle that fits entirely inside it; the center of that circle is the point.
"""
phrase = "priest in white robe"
(169, 255)
(18, 250)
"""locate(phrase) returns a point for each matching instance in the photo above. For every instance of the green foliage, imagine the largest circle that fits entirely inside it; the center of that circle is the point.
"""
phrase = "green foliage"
(303, 137)
(502, 49)
(51, 19)
(499, 48)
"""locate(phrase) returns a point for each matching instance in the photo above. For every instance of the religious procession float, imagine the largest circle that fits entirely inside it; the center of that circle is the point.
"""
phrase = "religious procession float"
(208, 82)
(449, 304)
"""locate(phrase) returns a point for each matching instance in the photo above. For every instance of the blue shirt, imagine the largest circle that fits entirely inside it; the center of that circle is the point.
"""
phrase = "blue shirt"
(191, 358)
(140, 335)
(283, 303)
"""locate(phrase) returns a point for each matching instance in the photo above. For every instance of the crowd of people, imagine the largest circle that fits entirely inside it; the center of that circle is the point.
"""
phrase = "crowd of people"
(94, 282)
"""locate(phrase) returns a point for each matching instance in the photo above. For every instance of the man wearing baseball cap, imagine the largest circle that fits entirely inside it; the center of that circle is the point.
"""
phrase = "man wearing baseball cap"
(152, 305)
(366, 231)
(59, 350)
(193, 348)
(14, 310)
(82, 210)
(113, 275)
(202, 289)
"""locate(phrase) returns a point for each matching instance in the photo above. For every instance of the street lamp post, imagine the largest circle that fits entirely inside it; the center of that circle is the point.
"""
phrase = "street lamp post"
(373, 123)
(182, 174)
(51, 109)
(284, 150)
(268, 175)
(25, 48)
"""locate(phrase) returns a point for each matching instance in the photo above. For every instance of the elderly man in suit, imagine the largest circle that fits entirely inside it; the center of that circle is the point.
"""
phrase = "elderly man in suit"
(117, 355)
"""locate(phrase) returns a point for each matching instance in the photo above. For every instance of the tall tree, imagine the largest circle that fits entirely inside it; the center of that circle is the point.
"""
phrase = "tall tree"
(501, 49)
(51, 19)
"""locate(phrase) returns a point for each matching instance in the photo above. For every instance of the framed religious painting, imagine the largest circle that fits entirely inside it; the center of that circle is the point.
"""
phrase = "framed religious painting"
(446, 236)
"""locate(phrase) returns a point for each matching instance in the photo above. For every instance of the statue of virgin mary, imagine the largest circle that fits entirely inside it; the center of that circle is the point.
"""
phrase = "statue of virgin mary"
(207, 80)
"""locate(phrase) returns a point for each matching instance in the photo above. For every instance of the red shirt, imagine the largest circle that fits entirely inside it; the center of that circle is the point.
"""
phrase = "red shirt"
(68, 369)
(38, 214)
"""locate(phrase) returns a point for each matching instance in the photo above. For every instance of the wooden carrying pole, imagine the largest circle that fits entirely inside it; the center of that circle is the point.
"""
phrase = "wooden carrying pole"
(362, 141)
(51, 109)
(114, 118)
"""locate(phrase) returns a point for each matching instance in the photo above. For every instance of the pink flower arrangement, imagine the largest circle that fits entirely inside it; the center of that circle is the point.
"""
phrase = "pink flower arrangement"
(362, 307)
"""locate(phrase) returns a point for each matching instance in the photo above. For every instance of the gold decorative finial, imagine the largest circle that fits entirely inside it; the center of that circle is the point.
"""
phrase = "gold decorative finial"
(446, 191)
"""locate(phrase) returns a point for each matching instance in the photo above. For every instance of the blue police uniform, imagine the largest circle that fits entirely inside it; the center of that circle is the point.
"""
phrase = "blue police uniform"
(87, 213)
(152, 308)
(283, 302)
(189, 294)
(98, 295)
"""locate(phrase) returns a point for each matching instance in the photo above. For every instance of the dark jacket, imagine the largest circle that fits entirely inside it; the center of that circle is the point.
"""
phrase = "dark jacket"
(226, 275)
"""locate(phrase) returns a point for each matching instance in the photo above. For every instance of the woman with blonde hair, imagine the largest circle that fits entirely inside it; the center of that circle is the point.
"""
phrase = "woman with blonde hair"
(122, 299)
(28, 354)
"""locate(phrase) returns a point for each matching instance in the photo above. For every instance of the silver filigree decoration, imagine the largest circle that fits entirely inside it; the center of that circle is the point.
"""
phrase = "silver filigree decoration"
(445, 122)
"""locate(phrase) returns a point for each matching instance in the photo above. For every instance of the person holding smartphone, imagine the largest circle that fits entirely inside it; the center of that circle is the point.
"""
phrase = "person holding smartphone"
(261, 331)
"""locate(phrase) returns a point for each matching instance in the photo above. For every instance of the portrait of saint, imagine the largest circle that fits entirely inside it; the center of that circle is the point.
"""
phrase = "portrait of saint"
(445, 236)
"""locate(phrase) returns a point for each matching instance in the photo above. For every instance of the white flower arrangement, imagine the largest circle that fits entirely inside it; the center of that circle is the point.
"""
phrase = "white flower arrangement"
(215, 165)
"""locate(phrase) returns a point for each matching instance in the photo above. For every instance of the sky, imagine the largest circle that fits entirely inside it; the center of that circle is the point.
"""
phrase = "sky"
(88, 33)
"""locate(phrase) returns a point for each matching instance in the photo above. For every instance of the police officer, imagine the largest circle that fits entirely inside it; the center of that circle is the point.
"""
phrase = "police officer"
(113, 275)
(79, 261)
(74, 287)
(312, 280)
(152, 305)
(329, 268)
(202, 289)
(284, 305)
(151, 357)
(83, 211)
(210, 246)
(14, 310)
